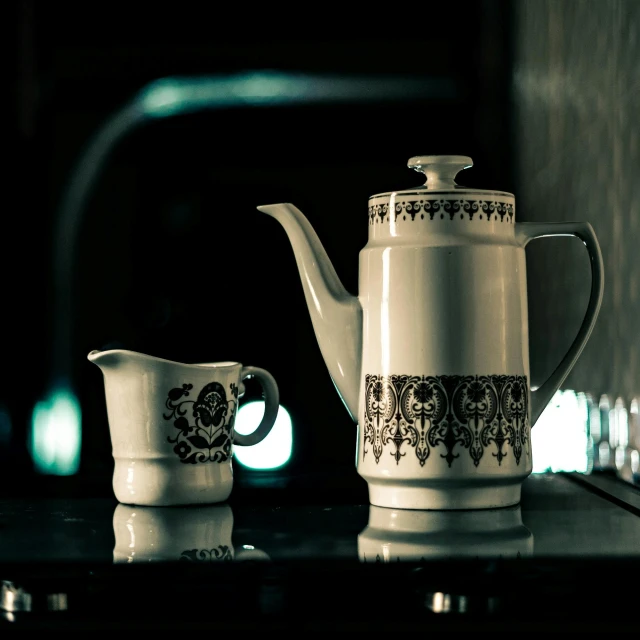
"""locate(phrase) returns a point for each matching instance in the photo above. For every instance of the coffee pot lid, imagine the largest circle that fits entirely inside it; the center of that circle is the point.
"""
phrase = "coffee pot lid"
(441, 172)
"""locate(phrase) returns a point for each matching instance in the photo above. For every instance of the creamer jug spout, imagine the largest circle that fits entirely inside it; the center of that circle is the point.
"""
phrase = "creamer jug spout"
(105, 360)
(336, 314)
(112, 360)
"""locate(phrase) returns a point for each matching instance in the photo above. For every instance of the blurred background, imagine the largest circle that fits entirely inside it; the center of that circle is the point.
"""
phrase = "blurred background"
(152, 241)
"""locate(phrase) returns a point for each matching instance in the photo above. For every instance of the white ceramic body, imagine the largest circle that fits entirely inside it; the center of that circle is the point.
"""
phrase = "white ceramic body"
(177, 534)
(164, 451)
(394, 535)
(444, 297)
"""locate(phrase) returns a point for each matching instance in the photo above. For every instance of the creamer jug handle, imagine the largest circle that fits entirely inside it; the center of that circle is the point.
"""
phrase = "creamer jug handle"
(271, 406)
(527, 231)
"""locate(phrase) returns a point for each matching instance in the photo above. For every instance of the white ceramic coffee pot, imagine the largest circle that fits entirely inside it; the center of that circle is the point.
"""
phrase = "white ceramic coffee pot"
(432, 357)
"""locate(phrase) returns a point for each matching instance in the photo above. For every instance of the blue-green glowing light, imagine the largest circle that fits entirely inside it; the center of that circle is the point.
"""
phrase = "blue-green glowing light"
(561, 439)
(56, 434)
(179, 95)
(275, 450)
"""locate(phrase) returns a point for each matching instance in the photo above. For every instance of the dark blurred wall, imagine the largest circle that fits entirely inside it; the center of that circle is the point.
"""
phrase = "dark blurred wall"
(577, 124)
(175, 261)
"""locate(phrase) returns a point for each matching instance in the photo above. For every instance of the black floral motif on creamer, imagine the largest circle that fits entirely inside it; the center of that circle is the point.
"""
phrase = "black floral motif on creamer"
(448, 414)
(208, 438)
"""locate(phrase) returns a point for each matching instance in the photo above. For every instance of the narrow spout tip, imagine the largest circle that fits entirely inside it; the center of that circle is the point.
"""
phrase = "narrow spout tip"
(271, 209)
(105, 358)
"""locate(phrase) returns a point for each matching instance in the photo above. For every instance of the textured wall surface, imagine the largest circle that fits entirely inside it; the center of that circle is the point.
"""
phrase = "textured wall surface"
(577, 127)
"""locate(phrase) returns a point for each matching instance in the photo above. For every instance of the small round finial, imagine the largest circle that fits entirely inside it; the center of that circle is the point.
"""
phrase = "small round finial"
(440, 170)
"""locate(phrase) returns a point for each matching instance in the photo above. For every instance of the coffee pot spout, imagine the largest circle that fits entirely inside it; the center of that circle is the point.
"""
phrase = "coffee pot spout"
(336, 315)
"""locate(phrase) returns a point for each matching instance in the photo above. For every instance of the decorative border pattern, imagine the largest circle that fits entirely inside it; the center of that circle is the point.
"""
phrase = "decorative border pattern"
(221, 552)
(424, 413)
(422, 559)
(417, 209)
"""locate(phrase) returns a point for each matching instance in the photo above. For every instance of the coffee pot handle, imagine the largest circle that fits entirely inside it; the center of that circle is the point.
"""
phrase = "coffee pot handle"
(527, 231)
(271, 406)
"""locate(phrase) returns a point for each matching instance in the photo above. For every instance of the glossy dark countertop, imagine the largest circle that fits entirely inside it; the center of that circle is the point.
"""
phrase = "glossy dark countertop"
(279, 557)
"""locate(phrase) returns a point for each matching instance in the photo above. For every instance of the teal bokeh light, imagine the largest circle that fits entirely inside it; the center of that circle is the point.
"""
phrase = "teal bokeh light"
(275, 450)
(56, 434)
(561, 439)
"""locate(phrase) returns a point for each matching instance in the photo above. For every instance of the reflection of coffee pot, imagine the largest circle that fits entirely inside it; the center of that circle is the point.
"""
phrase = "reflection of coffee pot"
(394, 535)
(432, 357)
(168, 534)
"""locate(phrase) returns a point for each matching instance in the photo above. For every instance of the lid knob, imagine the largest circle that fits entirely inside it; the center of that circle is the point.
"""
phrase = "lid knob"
(440, 170)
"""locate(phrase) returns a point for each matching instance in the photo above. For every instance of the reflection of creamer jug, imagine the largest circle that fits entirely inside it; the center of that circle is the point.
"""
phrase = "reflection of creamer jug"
(394, 535)
(432, 357)
(168, 534)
